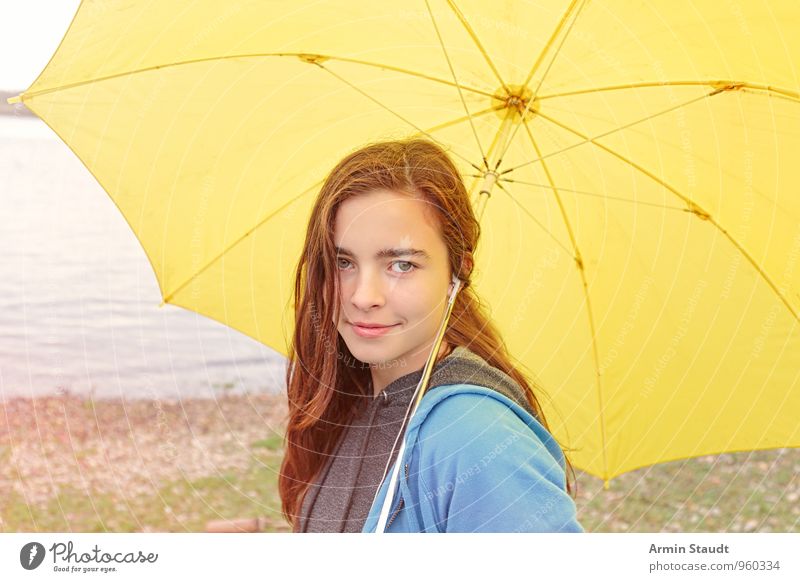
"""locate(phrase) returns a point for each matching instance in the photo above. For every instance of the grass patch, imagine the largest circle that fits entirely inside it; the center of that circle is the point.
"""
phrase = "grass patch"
(178, 506)
(734, 492)
(273, 442)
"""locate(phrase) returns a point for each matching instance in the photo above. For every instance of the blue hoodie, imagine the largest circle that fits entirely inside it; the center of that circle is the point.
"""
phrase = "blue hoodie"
(476, 461)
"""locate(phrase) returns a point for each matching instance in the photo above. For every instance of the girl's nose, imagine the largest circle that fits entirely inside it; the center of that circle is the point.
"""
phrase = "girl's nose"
(369, 291)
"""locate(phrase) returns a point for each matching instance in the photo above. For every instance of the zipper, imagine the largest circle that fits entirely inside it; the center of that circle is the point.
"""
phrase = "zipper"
(396, 511)
(399, 505)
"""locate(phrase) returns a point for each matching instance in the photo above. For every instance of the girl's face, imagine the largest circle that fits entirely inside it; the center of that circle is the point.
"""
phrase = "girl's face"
(393, 271)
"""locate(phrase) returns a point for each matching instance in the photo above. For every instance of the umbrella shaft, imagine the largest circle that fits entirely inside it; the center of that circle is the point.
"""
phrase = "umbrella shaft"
(489, 180)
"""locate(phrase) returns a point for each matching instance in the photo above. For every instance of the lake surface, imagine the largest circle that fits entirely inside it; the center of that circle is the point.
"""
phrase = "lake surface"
(79, 302)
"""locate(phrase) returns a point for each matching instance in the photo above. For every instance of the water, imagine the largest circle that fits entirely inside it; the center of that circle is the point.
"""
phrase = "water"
(79, 302)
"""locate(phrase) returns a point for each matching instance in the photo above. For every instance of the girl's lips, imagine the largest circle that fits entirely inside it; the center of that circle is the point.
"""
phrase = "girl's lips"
(371, 331)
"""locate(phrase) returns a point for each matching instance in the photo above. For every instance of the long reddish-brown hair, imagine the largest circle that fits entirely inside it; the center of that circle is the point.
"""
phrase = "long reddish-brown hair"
(327, 385)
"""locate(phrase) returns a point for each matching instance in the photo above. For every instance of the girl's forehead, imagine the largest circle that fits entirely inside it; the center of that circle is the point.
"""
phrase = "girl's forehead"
(384, 218)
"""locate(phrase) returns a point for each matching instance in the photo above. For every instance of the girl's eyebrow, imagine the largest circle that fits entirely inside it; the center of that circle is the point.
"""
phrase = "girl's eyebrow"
(391, 253)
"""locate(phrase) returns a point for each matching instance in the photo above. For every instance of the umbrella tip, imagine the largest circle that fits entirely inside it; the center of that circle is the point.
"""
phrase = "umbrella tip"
(12, 100)
(605, 484)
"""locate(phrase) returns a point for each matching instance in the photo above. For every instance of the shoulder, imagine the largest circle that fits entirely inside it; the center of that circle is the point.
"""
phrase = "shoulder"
(484, 464)
(470, 422)
(461, 409)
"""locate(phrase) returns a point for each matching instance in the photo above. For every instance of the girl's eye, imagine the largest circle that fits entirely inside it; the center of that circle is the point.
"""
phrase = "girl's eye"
(405, 266)
(411, 266)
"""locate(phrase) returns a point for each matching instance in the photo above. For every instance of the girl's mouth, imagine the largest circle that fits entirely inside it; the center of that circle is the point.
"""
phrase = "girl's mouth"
(370, 332)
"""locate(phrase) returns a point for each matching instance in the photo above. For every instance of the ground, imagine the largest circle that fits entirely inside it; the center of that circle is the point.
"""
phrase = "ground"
(72, 464)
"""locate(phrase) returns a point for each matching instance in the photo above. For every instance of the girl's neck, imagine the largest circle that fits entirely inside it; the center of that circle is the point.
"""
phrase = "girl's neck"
(381, 378)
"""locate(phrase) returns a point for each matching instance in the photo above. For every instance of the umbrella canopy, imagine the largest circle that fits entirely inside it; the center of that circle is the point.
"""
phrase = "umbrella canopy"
(641, 226)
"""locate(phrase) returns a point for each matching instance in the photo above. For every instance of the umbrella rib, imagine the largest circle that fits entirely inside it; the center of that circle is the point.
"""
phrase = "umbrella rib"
(403, 119)
(475, 39)
(612, 131)
(579, 262)
(455, 79)
(715, 84)
(305, 57)
(532, 98)
(693, 207)
(261, 222)
(550, 42)
(597, 195)
(311, 188)
(537, 221)
(461, 119)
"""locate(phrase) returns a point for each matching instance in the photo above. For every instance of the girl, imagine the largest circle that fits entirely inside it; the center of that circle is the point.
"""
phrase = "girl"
(383, 283)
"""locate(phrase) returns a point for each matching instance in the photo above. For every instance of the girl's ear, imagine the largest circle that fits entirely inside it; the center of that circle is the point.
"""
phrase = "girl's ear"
(466, 271)
(467, 264)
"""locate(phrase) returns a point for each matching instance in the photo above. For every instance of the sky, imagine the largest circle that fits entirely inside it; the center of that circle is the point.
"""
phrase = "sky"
(30, 31)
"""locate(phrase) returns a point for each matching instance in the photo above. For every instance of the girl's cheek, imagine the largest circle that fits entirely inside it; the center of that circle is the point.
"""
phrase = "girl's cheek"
(415, 298)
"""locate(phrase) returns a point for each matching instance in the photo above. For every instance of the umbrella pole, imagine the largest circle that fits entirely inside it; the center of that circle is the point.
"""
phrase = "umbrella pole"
(489, 180)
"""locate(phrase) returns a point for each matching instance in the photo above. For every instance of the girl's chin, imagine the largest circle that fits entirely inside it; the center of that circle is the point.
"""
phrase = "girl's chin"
(371, 353)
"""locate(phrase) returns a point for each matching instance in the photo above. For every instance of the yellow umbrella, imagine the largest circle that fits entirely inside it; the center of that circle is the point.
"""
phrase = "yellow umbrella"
(640, 214)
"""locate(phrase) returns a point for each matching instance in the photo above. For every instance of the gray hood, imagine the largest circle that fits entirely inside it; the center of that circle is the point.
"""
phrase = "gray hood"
(340, 499)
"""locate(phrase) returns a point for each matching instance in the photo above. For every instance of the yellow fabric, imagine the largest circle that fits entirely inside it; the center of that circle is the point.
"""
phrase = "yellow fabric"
(645, 263)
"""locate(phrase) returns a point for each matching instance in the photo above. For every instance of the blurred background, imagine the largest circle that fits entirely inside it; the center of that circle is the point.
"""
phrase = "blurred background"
(78, 299)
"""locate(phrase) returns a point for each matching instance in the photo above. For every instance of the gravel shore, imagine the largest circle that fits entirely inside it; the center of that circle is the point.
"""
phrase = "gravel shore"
(72, 464)
(127, 447)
